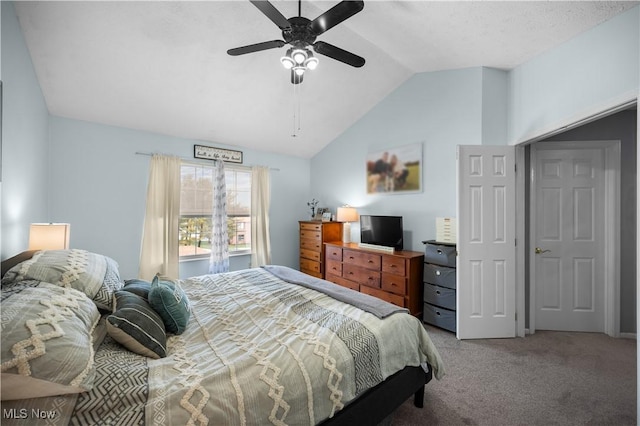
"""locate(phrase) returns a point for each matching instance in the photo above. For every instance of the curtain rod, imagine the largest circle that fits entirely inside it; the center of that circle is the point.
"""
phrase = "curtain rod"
(195, 160)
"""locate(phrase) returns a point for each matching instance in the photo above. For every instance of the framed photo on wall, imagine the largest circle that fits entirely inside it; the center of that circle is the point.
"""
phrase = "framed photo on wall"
(396, 170)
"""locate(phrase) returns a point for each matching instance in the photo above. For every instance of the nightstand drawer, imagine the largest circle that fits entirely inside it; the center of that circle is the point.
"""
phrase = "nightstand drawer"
(440, 254)
(440, 296)
(439, 275)
(440, 317)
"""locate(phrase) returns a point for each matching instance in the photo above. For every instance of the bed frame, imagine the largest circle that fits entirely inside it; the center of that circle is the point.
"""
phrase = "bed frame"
(371, 408)
(376, 404)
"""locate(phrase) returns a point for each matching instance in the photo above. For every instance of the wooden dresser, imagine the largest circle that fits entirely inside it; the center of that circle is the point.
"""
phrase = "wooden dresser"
(313, 235)
(394, 277)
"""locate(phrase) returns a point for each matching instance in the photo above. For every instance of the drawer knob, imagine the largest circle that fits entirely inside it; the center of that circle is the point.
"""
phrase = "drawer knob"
(438, 313)
(437, 291)
(438, 273)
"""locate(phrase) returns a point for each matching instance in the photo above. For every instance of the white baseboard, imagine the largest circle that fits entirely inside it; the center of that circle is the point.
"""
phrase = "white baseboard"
(628, 336)
(622, 335)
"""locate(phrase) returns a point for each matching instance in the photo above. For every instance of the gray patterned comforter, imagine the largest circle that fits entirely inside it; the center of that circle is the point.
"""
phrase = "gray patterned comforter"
(257, 351)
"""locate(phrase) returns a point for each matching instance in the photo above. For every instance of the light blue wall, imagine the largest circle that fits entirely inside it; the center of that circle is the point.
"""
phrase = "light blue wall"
(440, 110)
(99, 184)
(25, 147)
(56, 169)
(583, 76)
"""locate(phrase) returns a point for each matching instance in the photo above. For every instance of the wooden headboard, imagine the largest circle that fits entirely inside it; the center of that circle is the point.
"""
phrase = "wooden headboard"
(18, 258)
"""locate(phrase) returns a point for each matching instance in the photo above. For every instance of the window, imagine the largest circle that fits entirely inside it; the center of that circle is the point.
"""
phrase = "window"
(195, 210)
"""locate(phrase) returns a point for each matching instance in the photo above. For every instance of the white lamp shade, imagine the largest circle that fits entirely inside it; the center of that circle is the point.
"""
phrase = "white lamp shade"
(347, 214)
(49, 236)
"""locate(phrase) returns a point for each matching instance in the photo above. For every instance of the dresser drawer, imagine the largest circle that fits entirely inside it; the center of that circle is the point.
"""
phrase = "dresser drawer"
(440, 254)
(440, 317)
(361, 258)
(394, 283)
(439, 275)
(308, 244)
(311, 235)
(309, 265)
(387, 297)
(440, 296)
(333, 267)
(310, 254)
(310, 227)
(361, 275)
(393, 265)
(333, 253)
(342, 281)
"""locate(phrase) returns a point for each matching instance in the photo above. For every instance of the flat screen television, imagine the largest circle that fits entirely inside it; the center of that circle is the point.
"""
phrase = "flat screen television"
(381, 231)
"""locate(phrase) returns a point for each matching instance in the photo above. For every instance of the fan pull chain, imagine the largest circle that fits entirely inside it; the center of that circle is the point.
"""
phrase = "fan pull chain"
(297, 110)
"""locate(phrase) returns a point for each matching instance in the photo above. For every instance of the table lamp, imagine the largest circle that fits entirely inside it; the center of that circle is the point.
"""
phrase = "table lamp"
(346, 214)
(49, 236)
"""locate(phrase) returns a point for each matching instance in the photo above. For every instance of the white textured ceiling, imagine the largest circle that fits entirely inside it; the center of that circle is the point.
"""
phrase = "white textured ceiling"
(163, 67)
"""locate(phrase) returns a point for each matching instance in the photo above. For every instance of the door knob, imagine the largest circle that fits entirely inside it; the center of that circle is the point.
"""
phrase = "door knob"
(540, 251)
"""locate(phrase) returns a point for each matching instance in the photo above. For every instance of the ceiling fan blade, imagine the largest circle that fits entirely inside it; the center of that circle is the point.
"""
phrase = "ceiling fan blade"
(332, 17)
(256, 47)
(338, 54)
(295, 78)
(272, 13)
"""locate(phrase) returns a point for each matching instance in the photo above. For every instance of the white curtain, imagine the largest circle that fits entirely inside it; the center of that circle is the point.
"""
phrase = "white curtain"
(160, 251)
(260, 200)
(219, 260)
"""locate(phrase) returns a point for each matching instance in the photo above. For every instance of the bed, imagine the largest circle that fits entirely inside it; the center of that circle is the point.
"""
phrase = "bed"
(259, 346)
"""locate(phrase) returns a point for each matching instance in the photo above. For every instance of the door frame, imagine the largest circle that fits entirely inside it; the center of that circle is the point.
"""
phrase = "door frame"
(612, 149)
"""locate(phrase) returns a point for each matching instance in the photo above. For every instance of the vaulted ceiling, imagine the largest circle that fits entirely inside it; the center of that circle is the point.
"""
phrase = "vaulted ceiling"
(163, 66)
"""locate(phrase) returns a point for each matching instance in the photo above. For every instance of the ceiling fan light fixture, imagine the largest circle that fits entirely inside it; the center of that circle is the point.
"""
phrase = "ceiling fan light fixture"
(287, 62)
(299, 70)
(299, 56)
(311, 63)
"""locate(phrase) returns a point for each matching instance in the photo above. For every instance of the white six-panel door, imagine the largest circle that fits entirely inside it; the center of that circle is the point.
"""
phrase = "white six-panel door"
(486, 275)
(569, 238)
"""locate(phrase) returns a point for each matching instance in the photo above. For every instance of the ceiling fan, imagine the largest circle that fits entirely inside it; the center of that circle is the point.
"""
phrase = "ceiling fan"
(301, 34)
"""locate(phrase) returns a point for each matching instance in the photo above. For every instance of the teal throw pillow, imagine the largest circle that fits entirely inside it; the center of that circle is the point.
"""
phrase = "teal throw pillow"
(170, 302)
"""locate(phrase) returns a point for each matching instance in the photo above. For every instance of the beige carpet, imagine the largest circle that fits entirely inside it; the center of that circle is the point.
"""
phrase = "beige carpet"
(548, 378)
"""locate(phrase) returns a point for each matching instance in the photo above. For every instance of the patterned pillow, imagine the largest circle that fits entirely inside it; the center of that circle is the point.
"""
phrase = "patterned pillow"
(47, 346)
(136, 326)
(95, 275)
(170, 301)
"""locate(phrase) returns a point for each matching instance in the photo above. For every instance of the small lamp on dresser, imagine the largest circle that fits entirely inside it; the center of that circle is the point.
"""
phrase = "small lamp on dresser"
(346, 214)
(49, 236)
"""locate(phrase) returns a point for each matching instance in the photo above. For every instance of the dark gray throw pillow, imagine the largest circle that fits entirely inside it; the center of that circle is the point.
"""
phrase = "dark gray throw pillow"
(138, 286)
(136, 326)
